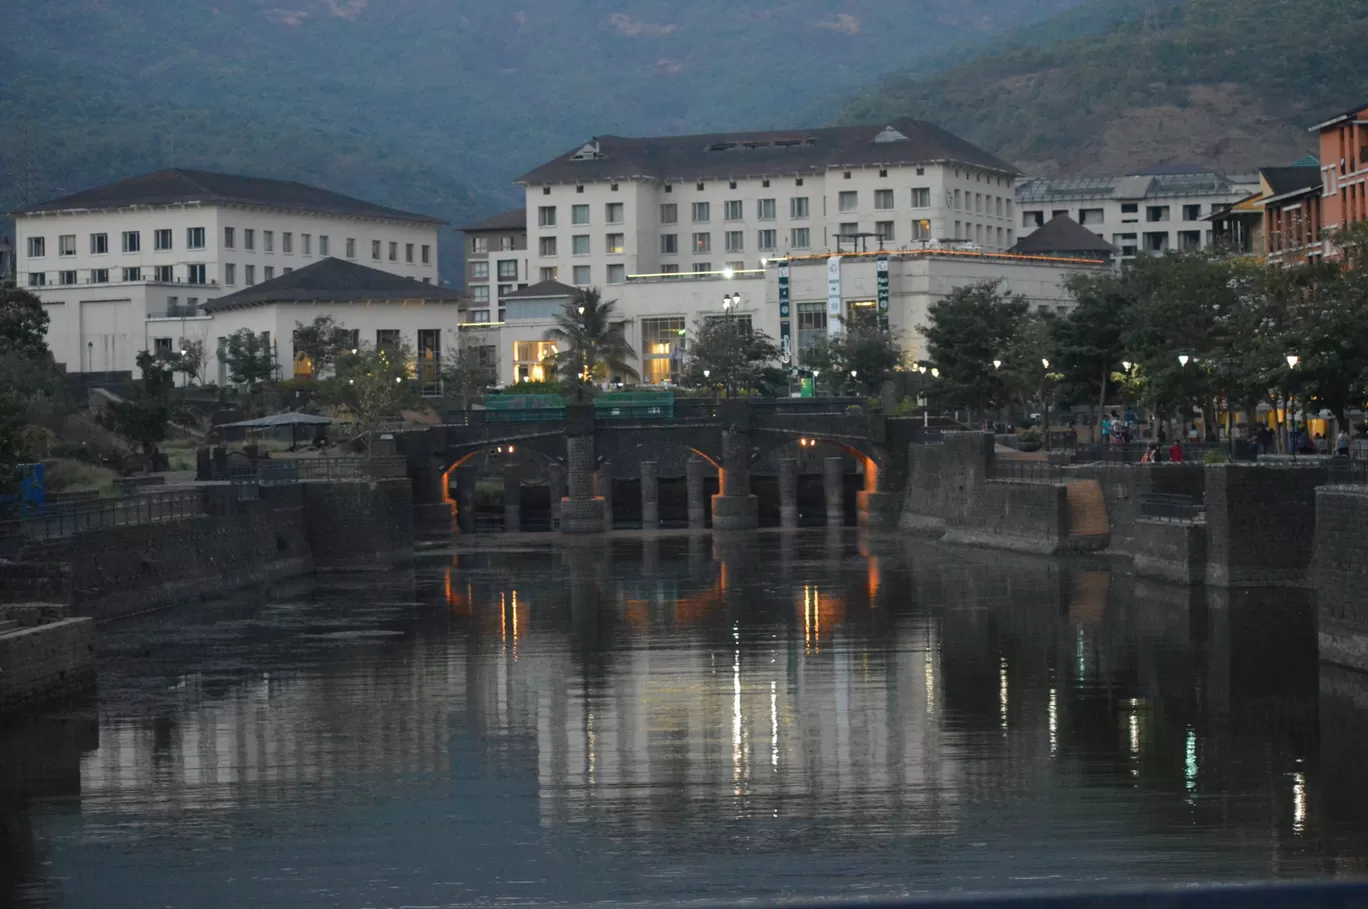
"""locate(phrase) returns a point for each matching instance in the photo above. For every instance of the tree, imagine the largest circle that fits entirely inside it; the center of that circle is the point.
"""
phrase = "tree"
(863, 353)
(188, 360)
(250, 357)
(969, 329)
(466, 374)
(12, 452)
(373, 385)
(322, 341)
(591, 340)
(1030, 365)
(142, 420)
(23, 323)
(1090, 341)
(733, 355)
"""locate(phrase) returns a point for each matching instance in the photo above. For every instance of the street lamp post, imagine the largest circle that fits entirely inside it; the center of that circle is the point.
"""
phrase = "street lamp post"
(1227, 364)
(1045, 399)
(1292, 361)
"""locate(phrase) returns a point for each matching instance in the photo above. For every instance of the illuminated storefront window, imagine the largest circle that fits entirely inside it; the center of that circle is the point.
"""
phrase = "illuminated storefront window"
(532, 361)
(662, 349)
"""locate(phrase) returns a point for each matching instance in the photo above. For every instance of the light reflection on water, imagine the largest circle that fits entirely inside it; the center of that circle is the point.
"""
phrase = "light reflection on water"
(664, 719)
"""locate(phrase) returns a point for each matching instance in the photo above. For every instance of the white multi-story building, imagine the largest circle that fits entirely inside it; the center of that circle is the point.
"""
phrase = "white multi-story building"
(107, 261)
(1151, 213)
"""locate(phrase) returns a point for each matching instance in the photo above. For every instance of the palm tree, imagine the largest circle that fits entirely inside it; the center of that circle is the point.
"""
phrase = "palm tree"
(590, 343)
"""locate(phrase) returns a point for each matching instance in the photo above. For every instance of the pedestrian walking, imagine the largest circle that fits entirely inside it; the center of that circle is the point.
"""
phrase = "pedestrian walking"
(1176, 452)
(1342, 445)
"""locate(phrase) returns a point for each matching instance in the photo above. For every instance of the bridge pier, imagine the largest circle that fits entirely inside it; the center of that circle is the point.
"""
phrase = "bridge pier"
(879, 504)
(581, 511)
(650, 496)
(603, 488)
(833, 485)
(698, 514)
(512, 498)
(555, 474)
(734, 508)
(788, 493)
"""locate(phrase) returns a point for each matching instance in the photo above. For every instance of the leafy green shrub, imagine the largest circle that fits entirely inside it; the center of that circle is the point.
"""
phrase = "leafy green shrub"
(1215, 456)
(1030, 439)
(65, 475)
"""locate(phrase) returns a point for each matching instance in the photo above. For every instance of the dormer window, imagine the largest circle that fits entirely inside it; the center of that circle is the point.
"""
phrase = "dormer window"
(589, 152)
(546, 190)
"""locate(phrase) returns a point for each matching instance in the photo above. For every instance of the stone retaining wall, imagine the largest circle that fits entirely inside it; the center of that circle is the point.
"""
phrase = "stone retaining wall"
(1261, 524)
(1168, 550)
(1340, 571)
(360, 525)
(43, 663)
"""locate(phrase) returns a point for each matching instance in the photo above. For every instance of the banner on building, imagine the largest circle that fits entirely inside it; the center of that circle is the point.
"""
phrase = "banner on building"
(785, 342)
(834, 312)
(882, 266)
(784, 290)
(785, 338)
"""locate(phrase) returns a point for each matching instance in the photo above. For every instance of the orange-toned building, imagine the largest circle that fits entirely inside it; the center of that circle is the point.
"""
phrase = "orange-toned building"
(1344, 172)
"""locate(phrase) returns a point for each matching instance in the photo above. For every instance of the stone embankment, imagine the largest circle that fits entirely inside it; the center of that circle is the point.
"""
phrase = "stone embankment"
(44, 655)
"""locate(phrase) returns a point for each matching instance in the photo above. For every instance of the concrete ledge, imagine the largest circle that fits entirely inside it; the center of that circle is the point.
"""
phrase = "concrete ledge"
(583, 515)
(735, 512)
(1169, 550)
(965, 536)
(922, 525)
(45, 663)
(1343, 645)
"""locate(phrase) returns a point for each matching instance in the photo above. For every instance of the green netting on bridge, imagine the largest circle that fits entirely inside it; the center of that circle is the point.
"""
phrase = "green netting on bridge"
(524, 408)
(634, 405)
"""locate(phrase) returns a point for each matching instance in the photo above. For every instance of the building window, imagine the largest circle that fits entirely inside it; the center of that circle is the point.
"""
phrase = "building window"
(164, 274)
(702, 212)
(532, 360)
(323, 245)
(306, 244)
(848, 201)
(1192, 212)
(550, 273)
(408, 253)
(505, 289)
(66, 244)
(249, 275)
(248, 238)
(1088, 216)
(661, 349)
(229, 237)
(701, 269)
(766, 240)
(883, 199)
(812, 328)
(546, 246)
(798, 208)
(375, 250)
(702, 243)
(480, 294)
(387, 338)
(478, 246)
(546, 216)
(1130, 208)
(1033, 219)
(848, 229)
(479, 271)
(132, 241)
(802, 238)
(613, 212)
(394, 251)
(1155, 213)
(194, 274)
(615, 243)
(479, 315)
(921, 197)
(885, 231)
(669, 213)
(132, 274)
(956, 204)
(669, 244)
(508, 270)
(37, 278)
(582, 275)
(671, 271)
(268, 272)
(351, 247)
(579, 244)
(734, 241)
(579, 214)
(161, 239)
(1189, 240)
(765, 209)
(978, 202)
(194, 238)
(921, 230)
(732, 210)
(617, 274)
(66, 277)
(99, 244)
(229, 273)
(286, 270)
(1157, 241)
(268, 241)
(99, 276)
(507, 244)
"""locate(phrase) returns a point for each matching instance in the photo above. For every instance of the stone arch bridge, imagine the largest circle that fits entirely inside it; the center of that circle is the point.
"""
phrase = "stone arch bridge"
(731, 435)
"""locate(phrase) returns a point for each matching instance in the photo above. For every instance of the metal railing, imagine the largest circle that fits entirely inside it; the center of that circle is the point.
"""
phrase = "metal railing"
(1020, 470)
(142, 508)
(1134, 452)
(1171, 507)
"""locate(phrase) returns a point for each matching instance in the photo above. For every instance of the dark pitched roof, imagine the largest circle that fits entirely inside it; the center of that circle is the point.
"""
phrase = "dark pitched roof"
(1339, 118)
(543, 290)
(728, 155)
(334, 281)
(1062, 234)
(509, 220)
(180, 186)
(1283, 180)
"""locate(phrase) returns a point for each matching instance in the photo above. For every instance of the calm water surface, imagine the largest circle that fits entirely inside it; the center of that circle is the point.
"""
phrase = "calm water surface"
(667, 719)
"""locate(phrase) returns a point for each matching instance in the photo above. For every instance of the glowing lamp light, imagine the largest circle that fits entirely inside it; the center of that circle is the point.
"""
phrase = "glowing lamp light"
(935, 372)
(1183, 359)
(1292, 361)
(997, 364)
(853, 373)
(1126, 365)
(707, 373)
(728, 272)
(398, 380)
(1045, 362)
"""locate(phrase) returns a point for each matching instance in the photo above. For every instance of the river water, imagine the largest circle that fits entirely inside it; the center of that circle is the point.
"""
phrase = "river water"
(668, 718)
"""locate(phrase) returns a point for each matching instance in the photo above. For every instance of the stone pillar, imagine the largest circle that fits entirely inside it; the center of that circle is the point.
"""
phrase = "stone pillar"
(650, 496)
(512, 490)
(833, 485)
(555, 477)
(581, 511)
(734, 508)
(879, 504)
(698, 514)
(603, 488)
(788, 492)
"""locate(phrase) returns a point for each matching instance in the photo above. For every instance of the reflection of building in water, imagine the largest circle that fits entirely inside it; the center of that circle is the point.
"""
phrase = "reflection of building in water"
(379, 714)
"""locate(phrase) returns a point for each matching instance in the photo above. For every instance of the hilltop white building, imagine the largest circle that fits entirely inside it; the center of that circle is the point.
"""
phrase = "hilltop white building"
(114, 265)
